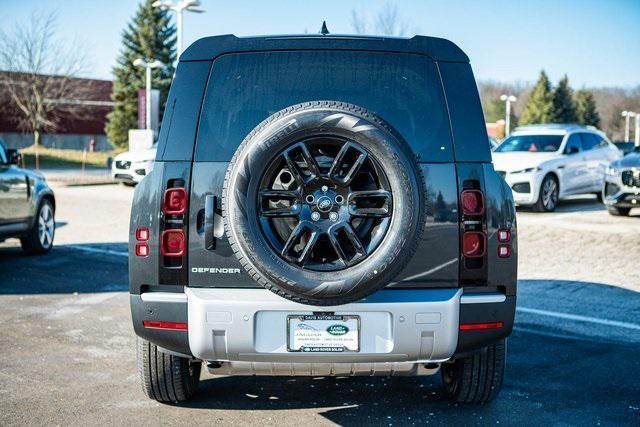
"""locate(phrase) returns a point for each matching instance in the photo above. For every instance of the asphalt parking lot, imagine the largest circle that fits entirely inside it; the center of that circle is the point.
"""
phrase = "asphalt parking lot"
(68, 349)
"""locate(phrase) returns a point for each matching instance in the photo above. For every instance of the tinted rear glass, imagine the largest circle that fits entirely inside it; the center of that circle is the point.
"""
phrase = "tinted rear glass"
(244, 89)
(531, 143)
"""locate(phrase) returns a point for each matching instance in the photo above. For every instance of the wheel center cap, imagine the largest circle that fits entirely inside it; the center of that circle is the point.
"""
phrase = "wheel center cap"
(324, 204)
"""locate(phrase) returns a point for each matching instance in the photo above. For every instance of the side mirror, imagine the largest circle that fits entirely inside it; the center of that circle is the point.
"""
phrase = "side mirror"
(572, 150)
(13, 156)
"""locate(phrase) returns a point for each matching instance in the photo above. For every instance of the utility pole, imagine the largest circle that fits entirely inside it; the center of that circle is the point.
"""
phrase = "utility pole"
(628, 115)
(148, 65)
(508, 99)
(178, 7)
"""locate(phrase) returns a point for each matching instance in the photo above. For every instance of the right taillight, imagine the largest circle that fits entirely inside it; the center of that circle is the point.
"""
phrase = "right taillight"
(473, 244)
(472, 202)
(173, 243)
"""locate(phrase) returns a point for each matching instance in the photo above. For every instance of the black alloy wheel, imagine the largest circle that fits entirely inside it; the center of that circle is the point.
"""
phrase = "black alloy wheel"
(324, 203)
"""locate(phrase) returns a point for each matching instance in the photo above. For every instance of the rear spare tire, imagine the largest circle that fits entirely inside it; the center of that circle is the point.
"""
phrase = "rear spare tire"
(323, 203)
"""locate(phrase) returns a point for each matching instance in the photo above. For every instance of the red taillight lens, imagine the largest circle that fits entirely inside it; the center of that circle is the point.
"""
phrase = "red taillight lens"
(142, 249)
(172, 243)
(174, 201)
(504, 235)
(472, 202)
(142, 234)
(480, 326)
(473, 244)
(158, 324)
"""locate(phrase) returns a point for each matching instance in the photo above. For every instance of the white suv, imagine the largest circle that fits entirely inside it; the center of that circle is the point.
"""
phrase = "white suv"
(131, 166)
(545, 163)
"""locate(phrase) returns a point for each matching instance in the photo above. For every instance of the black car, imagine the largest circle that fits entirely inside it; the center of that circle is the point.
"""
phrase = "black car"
(27, 205)
(326, 206)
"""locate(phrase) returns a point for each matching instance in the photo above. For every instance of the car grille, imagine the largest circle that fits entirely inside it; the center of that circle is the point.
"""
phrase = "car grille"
(502, 174)
(122, 164)
(631, 178)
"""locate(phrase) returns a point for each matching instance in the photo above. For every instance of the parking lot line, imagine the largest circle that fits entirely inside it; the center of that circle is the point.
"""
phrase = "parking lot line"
(579, 318)
(98, 250)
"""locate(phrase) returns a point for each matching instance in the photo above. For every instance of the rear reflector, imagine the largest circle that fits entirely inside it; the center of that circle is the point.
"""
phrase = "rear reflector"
(174, 201)
(142, 249)
(473, 244)
(173, 244)
(142, 234)
(472, 202)
(158, 324)
(480, 326)
(504, 235)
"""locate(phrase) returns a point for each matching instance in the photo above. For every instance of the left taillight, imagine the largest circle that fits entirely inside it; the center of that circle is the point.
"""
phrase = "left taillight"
(173, 243)
(174, 201)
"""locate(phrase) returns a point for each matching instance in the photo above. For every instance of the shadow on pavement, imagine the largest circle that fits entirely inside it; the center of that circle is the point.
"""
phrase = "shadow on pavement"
(81, 268)
(572, 204)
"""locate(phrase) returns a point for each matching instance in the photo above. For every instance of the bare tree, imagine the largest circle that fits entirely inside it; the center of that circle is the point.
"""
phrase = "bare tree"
(37, 76)
(386, 22)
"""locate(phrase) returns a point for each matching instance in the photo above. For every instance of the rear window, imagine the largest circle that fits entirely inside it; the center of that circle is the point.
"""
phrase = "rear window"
(531, 143)
(403, 89)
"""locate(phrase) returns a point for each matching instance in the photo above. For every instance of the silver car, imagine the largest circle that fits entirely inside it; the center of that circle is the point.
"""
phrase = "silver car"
(621, 190)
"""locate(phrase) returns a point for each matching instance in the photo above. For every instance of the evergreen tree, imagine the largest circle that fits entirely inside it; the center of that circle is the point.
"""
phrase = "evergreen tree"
(586, 110)
(539, 108)
(150, 35)
(564, 109)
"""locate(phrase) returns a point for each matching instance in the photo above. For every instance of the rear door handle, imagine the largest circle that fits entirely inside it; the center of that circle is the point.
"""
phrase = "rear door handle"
(213, 226)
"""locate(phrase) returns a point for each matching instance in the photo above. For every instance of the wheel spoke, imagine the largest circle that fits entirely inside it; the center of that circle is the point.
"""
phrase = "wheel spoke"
(270, 197)
(290, 157)
(296, 237)
(354, 241)
(345, 160)
(378, 203)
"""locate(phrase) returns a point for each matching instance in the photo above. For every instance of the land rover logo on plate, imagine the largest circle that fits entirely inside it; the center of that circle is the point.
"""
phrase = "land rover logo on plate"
(324, 204)
(337, 329)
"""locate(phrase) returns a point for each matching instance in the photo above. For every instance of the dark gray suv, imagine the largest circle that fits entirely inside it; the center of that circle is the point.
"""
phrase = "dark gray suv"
(27, 205)
(323, 205)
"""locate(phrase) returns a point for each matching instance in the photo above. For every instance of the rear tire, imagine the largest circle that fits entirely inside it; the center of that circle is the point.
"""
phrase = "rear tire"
(39, 239)
(164, 377)
(619, 211)
(476, 378)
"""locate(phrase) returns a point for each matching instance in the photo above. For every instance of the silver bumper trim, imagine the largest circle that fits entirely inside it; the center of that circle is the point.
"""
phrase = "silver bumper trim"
(249, 325)
(483, 298)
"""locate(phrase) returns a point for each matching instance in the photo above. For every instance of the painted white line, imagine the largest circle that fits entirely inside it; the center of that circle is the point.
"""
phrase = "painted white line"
(97, 250)
(588, 319)
(433, 270)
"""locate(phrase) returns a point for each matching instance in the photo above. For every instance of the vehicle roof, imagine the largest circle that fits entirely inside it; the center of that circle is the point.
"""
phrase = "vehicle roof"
(208, 48)
(555, 128)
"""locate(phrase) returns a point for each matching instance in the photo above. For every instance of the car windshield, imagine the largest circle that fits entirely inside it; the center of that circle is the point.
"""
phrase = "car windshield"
(531, 143)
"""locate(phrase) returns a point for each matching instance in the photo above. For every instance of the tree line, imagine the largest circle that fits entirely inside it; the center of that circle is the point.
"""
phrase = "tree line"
(543, 103)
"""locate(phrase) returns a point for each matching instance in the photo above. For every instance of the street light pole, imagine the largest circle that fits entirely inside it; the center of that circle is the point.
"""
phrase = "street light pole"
(637, 131)
(627, 115)
(189, 5)
(148, 65)
(508, 99)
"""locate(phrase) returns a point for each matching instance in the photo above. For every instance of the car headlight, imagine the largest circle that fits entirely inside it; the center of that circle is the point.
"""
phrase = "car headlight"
(612, 171)
(527, 170)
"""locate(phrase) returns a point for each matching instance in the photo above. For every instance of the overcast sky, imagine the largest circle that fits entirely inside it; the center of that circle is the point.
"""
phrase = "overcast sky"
(596, 42)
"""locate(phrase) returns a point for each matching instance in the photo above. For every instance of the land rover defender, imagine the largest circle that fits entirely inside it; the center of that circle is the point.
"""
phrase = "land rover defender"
(323, 205)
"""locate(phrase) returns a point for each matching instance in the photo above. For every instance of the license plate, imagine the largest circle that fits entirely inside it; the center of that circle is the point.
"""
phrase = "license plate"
(323, 333)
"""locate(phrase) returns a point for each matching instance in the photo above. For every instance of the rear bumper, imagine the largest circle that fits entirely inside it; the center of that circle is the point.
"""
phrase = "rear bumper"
(249, 325)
